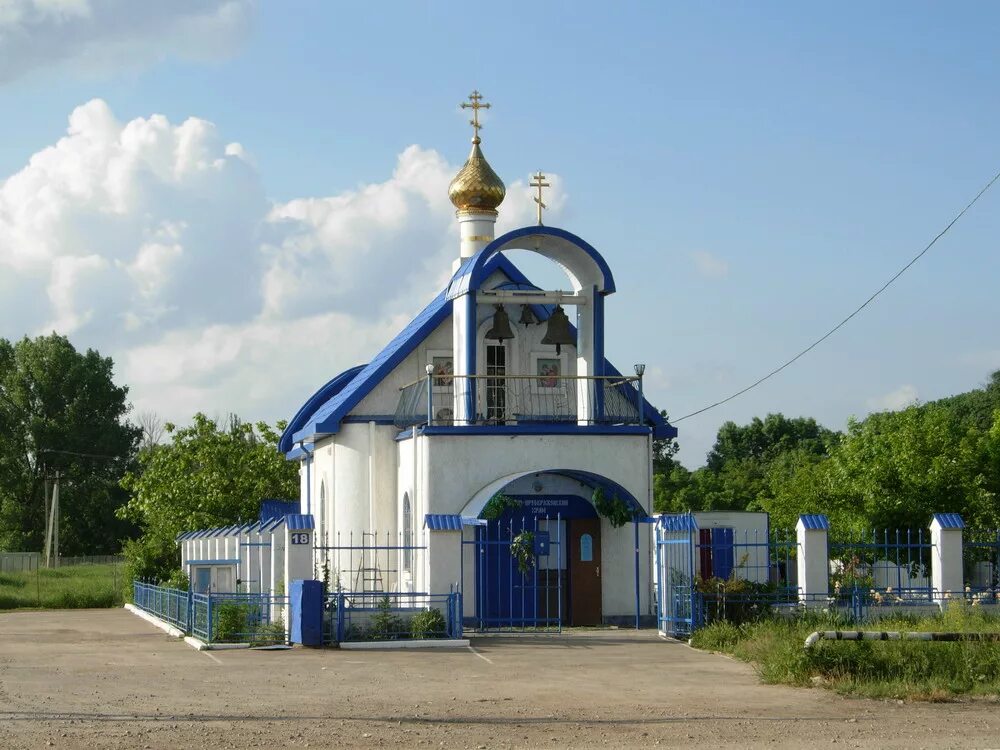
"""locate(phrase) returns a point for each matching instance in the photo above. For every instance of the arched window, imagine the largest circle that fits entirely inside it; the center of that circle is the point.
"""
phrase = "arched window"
(407, 533)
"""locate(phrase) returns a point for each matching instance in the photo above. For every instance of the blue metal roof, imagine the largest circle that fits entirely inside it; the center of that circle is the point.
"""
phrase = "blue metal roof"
(320, 397)
(815, 521)
(949, 520)
(324, 418)
(442, 522)
(682, 522)
(277, 508)
(300, 521)
(449, 522)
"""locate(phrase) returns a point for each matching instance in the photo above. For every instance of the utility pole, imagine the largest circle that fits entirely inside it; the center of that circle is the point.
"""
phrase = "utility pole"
(52, 525)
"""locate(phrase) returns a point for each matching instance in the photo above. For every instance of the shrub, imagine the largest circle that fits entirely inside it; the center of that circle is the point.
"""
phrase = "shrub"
(429, 624)
(385, 625)
(230, 621)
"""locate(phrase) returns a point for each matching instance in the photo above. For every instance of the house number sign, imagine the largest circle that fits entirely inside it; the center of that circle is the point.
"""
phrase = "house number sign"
(300, 537)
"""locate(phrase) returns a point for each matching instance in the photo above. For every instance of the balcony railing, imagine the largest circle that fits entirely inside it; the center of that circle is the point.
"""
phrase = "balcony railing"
(521, 399)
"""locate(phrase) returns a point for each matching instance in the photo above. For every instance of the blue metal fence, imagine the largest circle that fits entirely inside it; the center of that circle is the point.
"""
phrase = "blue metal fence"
(170, 605)
(520, 569)
(889, 564)
(392, 616)
(703, 575)
(981, 563)
(216, 618)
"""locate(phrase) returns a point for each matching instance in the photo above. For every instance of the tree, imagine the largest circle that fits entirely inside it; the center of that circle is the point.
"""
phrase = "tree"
(737, 474)
(207, 475)
(763, 440)
(152, 427)
(664, 450)
(60, 411)
(895, 469)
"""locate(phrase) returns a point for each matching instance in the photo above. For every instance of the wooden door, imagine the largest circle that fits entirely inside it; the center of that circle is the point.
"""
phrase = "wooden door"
(585, 571)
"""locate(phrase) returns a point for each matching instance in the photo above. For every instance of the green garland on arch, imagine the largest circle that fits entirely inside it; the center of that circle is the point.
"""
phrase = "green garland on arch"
(614, 509)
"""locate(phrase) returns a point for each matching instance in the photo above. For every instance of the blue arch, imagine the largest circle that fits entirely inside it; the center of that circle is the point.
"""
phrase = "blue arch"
(611, 488)
(320, 397)
(473, 273)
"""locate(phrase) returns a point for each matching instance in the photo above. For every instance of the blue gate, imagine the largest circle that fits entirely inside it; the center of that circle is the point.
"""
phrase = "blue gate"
(677, 600)
(519, 569)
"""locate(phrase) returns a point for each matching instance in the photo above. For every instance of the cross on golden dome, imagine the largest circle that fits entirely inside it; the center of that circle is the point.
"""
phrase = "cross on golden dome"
(475, 103)
(538, 181)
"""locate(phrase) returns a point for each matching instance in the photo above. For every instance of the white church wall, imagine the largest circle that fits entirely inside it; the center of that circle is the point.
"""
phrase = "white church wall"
(385, 462)
(385, 396)
(458, 467)
(618, 569)
(351, 481)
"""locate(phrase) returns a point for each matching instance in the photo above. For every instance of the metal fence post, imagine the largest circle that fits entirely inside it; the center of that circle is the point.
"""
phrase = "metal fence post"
(340, 618)
(189, 625)
(208, 634)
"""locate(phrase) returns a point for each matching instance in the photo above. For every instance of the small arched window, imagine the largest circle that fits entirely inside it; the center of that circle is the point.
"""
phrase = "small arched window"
(407, 533)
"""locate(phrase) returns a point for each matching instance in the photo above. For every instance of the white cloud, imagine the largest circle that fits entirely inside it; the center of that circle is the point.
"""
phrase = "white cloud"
(153, 242)
(709, 265)
(115, 34)
(900, 398)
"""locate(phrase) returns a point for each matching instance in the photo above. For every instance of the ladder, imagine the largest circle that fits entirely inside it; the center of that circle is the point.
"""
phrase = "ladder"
(369, 576)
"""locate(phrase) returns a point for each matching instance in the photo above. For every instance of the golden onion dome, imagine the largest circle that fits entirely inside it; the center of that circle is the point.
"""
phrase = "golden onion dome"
(476, 187)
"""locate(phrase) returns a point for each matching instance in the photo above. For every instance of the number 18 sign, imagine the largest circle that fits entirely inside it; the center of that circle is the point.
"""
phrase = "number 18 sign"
(300, 537)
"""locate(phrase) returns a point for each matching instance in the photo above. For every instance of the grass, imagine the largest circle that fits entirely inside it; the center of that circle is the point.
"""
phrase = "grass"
(913, 670)
(76, 587)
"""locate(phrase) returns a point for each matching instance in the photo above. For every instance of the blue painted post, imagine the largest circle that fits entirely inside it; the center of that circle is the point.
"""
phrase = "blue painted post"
(340, 618)
(559, 557)
(636, 524)
(659, 579)
(190, 610)
(208, 634)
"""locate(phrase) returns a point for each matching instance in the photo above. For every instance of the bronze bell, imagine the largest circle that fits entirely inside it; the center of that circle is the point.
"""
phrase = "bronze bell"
(501, 326)
(559, 332)
(527, 316)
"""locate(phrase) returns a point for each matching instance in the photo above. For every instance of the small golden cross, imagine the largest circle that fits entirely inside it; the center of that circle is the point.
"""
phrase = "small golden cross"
(475, 106)
(538, 181)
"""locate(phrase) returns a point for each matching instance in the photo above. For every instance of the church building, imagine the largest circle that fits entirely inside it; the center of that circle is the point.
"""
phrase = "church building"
(489, 447)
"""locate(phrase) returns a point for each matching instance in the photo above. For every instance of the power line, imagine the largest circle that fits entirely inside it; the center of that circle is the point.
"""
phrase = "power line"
(74, 453)
(861, 307)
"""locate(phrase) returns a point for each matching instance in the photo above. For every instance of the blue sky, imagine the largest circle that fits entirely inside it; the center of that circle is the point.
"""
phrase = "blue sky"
(751, 171)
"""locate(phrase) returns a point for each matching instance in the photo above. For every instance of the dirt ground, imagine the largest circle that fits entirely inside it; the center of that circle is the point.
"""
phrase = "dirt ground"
(100, 679)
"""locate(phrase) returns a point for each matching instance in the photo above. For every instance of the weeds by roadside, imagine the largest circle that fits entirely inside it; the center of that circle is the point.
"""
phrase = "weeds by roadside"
(917, 670)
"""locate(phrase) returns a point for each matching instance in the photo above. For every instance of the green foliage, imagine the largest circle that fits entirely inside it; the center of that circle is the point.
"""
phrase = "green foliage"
(177, 580)
(56, 402)
(891, 470)
(230, 621)
(78, 586)
(664, 450)
(614, 508)
(880, 669)
(522, 549)
(429, 624)
(243, 622)
(496, 506)
(385, 625)
(207, 475)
